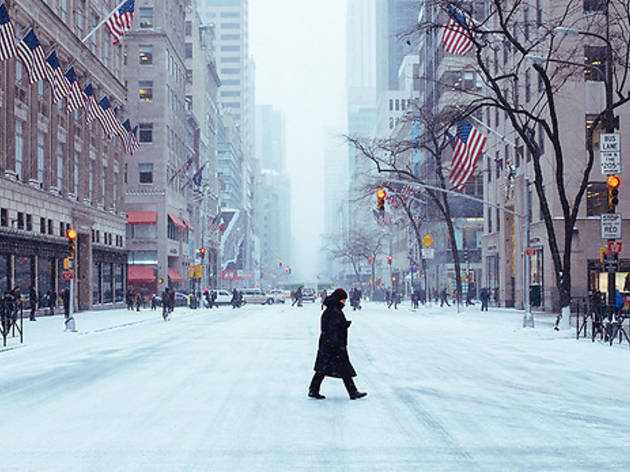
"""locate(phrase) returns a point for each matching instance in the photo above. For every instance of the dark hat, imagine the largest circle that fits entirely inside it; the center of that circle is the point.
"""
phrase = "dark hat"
(338, 295)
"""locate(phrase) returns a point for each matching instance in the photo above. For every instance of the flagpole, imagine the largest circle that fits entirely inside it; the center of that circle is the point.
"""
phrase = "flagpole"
(103, 21)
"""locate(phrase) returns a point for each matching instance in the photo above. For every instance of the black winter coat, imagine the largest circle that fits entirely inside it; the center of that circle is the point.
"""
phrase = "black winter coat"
(332, 355)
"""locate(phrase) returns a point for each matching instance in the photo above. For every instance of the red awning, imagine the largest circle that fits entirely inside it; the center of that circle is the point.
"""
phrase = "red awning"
(176, 221)
(190, 227)
(138, 273)
(141, 217)
(174, 275)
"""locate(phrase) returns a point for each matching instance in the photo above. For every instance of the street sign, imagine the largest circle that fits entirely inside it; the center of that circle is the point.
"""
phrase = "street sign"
(427, 240)
(609, 142)
(611, 226)
(427, 253)
(611, 262)
(67, 275)
(195, 271)
(530, 251)
(615, 246)
(610, 162)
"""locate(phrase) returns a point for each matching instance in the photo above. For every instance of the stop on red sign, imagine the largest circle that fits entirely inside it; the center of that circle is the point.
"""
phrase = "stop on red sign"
(614, 246)
(530, 251)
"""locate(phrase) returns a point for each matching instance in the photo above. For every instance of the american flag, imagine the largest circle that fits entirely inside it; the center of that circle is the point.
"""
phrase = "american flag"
(379, 217)
(7, 35)
(467, 145)
(120, 20)
(134, 144)
(91, 105)
(458, 33)
(120, 130)
(105, 117)
(58, 81)
(217, 223)
(76, 97)
(127, 125)
(32, 56)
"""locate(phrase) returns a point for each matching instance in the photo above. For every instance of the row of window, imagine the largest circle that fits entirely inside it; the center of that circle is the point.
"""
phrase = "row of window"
(27, 222)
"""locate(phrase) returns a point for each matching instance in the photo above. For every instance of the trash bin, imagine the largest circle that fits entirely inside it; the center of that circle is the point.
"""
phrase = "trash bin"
(534, 295)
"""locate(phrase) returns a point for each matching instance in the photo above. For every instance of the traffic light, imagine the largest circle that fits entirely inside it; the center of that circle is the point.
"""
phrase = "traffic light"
(280, 262)
(381, 195)
(613, 182)
(71, 234)
(389, 259)
(202, 252)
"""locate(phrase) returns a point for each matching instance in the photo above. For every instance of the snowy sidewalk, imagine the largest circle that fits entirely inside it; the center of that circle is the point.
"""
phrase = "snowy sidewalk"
(225, 390)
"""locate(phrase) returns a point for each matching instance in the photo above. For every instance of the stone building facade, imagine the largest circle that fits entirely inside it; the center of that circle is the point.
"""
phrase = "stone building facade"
(56, 172)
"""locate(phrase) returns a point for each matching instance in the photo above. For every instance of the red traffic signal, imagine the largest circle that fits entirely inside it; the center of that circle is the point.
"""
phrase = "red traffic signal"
(202, 251)
(381, 194)
(613, 181)
(389, 259)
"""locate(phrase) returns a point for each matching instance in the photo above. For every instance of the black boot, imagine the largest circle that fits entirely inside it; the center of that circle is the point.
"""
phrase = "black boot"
(352, 389)
(316, 395)
(356, 395)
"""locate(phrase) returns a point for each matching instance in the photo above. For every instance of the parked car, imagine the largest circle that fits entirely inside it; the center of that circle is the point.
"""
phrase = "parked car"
(256, 295)
(278, 296)
(181, 299)
(223, 297)
(308, 295)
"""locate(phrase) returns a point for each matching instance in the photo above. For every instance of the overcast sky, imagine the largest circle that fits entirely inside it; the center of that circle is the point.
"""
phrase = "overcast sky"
(299, 50)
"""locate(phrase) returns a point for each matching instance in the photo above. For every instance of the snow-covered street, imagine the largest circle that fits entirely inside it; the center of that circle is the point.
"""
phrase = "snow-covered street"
(225, 390)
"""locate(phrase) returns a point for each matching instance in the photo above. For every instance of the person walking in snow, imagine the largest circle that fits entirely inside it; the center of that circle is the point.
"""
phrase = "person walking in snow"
(444, 298)
(332, 355)
(484, 296)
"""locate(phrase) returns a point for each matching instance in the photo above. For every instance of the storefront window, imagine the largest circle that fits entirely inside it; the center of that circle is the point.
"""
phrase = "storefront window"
(45, 275)
(24, 273)
(107, 283)
(4, 273)
(536, 277)
(492, 275)
(118, 282)
(96, 283)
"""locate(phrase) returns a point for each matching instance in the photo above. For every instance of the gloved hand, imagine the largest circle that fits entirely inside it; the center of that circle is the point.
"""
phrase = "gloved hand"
(349, 323)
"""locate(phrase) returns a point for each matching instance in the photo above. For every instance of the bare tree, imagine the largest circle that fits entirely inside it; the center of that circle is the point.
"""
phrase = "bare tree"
(355, 248)
(550, 43)
(391, 156)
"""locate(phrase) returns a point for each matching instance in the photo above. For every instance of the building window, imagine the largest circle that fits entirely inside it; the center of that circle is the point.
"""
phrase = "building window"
(145, 54)
(41, 157)
(230, 82)
(145, 90)
(76, 173)
(188, 50)
(146, 132)
(528, 86)
(145, 16)
(91, 181)
(230, 37)
(60, 166)
(42, 225)
(4, 217)
(230, 93)
(20, 220)
(235, 70)
(595, 63)
(526, 23)
(596, 198)
(145, 172)
(594, 6)
(51, 229)
(63, 8)
(539, 13)
(188, 27)
(229, 59)
(19, 147)
(498, 220)
(590, 119)
(233, 48)
(230, 26)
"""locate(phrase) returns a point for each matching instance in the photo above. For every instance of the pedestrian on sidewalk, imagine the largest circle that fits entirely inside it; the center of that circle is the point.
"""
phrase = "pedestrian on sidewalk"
(32, 300)
(52, 302)
(332, 354)
(444, 298)
(484, 296)
(65, 297)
